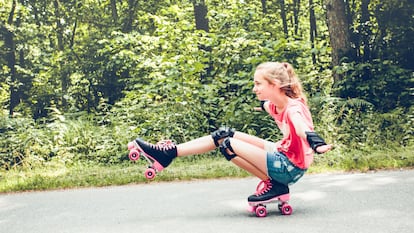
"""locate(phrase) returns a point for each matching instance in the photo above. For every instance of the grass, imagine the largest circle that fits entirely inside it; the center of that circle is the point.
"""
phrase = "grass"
(57, 175)
(60, 176)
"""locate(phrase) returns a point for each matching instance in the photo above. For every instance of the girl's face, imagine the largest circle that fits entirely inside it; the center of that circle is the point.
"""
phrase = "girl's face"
(264, 89)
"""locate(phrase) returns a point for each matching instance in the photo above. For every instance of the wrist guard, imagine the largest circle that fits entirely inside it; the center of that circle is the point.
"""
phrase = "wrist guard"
(314, 140)
(262, 104)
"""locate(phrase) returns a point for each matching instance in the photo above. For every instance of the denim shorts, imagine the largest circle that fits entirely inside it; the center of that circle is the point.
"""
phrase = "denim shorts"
(280, 169)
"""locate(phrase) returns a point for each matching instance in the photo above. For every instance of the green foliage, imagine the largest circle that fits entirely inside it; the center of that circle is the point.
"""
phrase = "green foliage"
(149, 73)
(67, 139)
(382, 83)
(4, 95)
(394, 31)
(352, 124)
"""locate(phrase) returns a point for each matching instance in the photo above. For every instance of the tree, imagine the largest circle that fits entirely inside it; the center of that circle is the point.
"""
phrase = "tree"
(395, 32)
(339, 35)
(264, 6)
(283, 16)
(365, 31)
(64, 79)
(6, 29)
(296, 12)
(200, 15)
(131, 11)
(202, 23)
(313, 33)
(114, 11)
(379, 69)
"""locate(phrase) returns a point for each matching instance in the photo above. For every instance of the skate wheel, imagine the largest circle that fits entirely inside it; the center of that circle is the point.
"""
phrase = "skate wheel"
(133, 155)
(130, 145)
(150, 173)
(286, 209)
(251, 209)
(261, 211)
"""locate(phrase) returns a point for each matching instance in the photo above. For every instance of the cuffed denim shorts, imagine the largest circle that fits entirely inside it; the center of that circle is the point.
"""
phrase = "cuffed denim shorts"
(279, 167)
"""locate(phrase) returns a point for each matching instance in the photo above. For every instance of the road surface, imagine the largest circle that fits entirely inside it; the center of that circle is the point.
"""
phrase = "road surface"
(361, 202)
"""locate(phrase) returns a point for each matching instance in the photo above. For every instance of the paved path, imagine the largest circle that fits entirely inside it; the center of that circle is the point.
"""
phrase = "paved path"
(371, 202)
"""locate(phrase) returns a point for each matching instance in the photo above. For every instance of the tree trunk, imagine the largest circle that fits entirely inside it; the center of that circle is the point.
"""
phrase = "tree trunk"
(132, 4)
(10, 57)
(264, 7)
(313, 29)
(283, 15)
(114, 11)
(339, 35)
(200, 14)
(202, 23)
(61, 47)
(365, 31)
(296, 11)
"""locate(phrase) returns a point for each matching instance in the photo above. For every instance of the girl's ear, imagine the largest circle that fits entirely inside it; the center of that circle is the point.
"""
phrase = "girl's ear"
(275, 82)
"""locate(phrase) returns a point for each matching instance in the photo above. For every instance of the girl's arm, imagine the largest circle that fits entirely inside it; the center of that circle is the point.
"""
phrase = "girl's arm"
(302, 130)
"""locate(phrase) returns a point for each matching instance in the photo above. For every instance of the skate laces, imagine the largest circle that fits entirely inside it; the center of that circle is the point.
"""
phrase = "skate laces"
(263, 187)
(163, 145)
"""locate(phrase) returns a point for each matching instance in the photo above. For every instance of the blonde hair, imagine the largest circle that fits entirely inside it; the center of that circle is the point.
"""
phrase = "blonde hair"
(285, 74)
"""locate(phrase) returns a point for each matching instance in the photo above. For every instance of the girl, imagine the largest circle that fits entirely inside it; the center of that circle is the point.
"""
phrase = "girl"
(276, 164)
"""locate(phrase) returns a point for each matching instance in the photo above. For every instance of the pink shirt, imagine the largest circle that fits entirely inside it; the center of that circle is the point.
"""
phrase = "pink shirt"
(294, 147)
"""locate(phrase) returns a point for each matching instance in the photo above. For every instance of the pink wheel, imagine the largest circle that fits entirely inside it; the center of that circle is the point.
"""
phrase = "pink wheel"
(150, 173)
(133, 155)
(261, 211)
(130, 145)
(251, 209)
(286, 209)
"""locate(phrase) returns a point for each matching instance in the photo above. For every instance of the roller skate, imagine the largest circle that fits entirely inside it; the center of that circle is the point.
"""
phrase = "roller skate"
(269, 191)
(158, 156)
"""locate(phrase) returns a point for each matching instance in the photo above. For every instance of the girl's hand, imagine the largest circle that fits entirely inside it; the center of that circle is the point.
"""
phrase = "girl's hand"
(323, 149)
(263, 106)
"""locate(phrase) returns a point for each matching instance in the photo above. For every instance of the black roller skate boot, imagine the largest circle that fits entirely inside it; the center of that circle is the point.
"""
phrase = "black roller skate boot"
(268, 191)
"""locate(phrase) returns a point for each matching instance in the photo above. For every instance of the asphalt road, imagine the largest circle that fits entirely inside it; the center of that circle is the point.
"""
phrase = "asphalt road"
(370, 202)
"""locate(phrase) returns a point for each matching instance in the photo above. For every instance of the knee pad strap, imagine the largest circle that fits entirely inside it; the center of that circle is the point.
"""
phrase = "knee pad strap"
(222, 132)
(225, 145)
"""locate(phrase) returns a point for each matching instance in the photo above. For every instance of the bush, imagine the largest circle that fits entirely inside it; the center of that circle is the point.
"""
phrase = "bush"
(380, 82)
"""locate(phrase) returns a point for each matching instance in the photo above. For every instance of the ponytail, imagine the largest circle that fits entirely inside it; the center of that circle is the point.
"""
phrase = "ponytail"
(293, 88)
(285, 74)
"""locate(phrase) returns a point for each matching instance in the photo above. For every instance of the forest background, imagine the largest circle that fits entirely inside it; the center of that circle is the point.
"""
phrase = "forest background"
(79, 79)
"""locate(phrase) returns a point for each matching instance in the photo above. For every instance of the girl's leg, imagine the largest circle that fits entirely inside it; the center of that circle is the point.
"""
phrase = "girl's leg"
(166, 154)
(246, 145)
(206, 144)
(196, 146)
(250, 139)
(240, 162)
(250, 157)
(254, 160)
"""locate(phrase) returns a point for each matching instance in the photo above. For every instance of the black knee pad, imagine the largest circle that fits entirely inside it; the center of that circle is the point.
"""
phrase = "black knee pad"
(222, 132)
(223, 149)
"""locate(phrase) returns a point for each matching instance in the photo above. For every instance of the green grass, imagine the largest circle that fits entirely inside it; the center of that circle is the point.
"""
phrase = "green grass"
(57, 175)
